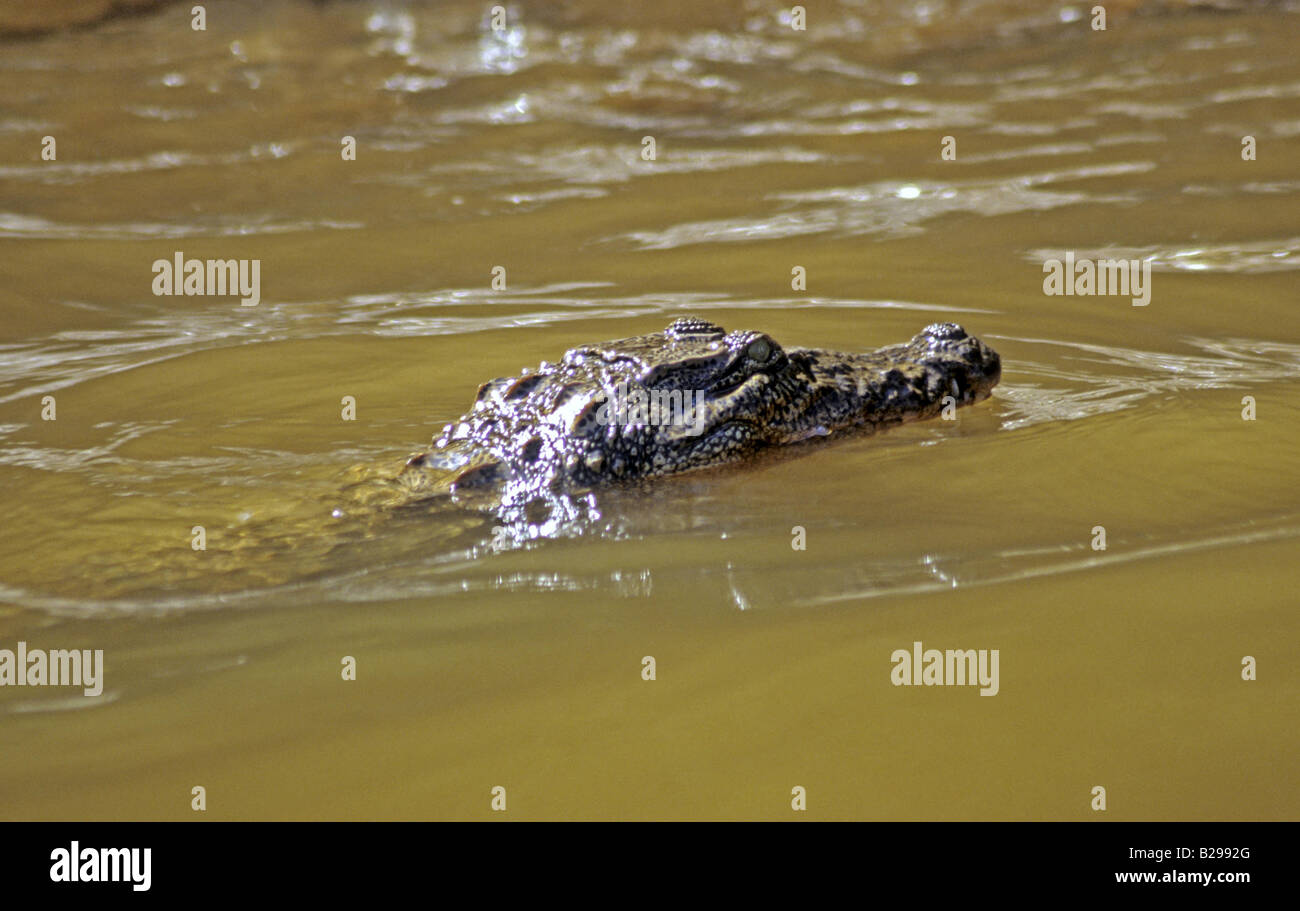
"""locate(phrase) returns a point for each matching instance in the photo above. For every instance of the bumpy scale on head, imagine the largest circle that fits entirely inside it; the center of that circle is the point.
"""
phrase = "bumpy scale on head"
(707, 397)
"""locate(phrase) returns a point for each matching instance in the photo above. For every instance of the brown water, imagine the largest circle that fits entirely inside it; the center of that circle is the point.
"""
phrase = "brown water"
(521, 667)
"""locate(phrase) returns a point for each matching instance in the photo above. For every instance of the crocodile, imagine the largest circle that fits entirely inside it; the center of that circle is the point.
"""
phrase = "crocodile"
(692, 396)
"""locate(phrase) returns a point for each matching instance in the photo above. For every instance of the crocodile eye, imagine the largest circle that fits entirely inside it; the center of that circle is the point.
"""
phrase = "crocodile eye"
(758, 350)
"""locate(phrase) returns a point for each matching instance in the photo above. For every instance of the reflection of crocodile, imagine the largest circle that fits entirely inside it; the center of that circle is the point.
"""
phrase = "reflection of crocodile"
(689, 397)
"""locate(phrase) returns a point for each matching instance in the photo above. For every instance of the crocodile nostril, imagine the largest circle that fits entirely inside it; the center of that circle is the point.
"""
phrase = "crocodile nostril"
(944, 331)
(693, 325)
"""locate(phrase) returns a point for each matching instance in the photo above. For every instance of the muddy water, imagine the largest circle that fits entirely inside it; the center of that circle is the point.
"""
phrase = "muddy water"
(522, 666)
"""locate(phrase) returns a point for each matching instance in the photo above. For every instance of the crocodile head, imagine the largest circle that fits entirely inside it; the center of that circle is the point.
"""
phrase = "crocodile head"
(693, 396)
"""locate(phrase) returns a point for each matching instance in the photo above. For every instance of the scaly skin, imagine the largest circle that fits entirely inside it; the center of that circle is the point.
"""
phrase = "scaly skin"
(558, 430)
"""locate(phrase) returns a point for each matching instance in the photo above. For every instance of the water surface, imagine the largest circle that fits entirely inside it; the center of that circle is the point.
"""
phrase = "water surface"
(522, 666)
